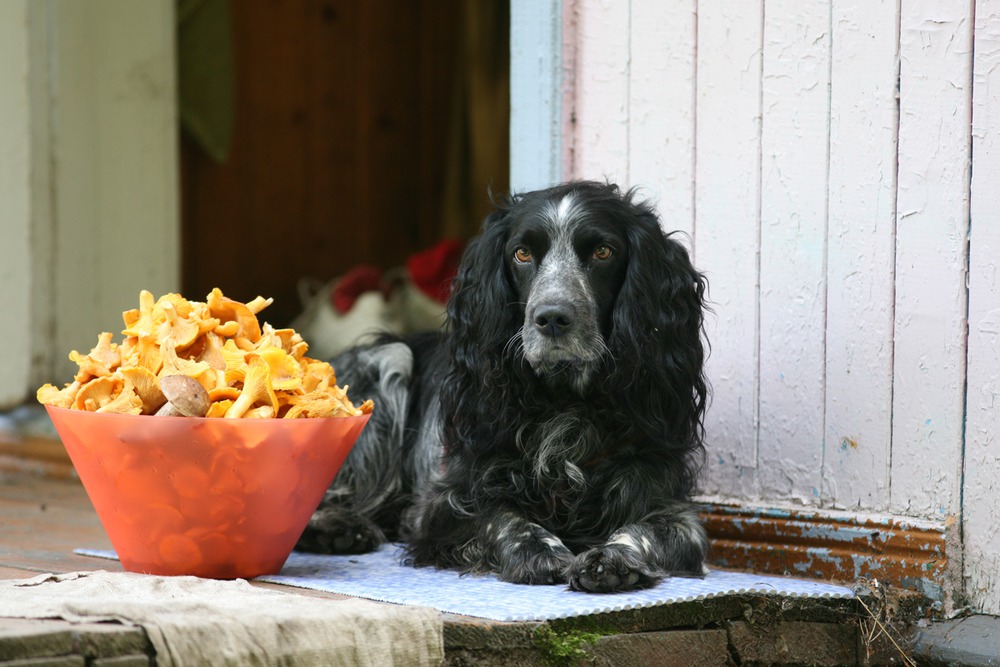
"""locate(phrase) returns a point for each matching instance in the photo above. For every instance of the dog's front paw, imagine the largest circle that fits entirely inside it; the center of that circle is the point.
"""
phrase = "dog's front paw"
(537, 560)
(334, 531)
(610, 568)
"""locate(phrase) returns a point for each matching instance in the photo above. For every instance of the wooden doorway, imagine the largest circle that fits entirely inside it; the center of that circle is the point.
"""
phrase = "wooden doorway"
(363, 132)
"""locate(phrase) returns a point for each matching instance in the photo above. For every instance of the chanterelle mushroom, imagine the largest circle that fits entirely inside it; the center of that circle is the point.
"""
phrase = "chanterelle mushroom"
(256, 388)
(100, 361)
(126, 402)
(233, 365)
(146, 386)
(180, 330)
(98, 392)
(230, 310)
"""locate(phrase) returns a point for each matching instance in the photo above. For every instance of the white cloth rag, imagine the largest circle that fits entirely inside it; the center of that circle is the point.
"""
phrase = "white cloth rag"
(193, 621)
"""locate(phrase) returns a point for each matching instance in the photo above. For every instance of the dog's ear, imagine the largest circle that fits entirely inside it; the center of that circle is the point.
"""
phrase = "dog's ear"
(483, 315)
(482, 308)
(657, 322)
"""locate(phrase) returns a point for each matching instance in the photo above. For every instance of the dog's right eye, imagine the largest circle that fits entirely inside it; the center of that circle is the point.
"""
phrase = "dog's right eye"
(522, 255)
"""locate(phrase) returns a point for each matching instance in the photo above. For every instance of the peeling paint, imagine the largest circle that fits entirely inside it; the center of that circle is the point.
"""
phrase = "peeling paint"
(830, 546)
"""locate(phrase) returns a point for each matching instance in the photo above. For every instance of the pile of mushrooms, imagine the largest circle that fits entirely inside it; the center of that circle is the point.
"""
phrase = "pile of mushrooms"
(202, 359)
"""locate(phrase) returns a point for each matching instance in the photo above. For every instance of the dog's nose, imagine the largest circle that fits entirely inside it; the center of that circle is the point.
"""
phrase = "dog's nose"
(553, 319)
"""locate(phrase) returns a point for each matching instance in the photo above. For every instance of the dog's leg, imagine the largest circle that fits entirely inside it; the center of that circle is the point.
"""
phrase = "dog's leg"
(523, 552)
(669, 542)
(365, 499)
(500, 541)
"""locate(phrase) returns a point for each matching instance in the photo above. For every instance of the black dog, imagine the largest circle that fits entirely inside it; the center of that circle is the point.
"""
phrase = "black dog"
(551, 432)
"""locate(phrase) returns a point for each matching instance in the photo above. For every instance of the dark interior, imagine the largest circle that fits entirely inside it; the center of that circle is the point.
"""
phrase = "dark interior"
(361, 133)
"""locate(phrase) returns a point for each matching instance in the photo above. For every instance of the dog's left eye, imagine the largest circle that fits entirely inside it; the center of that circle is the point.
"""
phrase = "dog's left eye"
(603, 252)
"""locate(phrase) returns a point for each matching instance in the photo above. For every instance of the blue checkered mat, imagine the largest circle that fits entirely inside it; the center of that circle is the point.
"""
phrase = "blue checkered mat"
(381, 576)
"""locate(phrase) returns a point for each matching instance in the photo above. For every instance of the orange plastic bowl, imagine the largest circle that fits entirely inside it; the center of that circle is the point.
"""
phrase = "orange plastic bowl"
(218, 498)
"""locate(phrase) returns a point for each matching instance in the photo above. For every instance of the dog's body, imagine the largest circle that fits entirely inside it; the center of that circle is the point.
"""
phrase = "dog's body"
(550, 433)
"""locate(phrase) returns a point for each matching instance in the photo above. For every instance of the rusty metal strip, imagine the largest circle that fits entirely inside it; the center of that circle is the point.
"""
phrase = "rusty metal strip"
(839, 547)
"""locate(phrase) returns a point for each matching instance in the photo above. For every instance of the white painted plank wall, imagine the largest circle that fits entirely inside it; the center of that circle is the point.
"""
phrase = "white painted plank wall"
(795, 152)
(982, 451)
(727, 202)
(600, 135)
(794, 140)
(932, 222)
(860, 271)
(661, 107)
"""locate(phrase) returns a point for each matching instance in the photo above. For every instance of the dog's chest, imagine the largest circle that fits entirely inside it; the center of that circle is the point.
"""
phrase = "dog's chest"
(565, 466)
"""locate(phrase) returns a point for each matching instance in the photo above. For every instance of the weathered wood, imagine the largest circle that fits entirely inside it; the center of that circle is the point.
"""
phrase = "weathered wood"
(43, 520)
(860, 270)
(661, 105)
(114, 167)
(932, 224)
(793, 229)
(844, 546)
(87, 177)
(15, 191)
(727, 201)
(600, 135)
(982, 433)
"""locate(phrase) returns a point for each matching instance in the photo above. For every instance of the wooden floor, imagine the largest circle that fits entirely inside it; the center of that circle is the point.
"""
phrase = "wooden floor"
(43, 520)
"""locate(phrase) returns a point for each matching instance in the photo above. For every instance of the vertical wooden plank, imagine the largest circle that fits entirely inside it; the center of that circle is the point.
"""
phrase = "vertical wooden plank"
(863, 121)
(601, 104)
(44, 353)
(727, 201)
(323, 146)
(392, 136)
(438, 50)
(661, 107)
(16, 266)
(982, 445)
(114, 156)
(931, 230)
(535, 94)
(272, 181)
(794, 143)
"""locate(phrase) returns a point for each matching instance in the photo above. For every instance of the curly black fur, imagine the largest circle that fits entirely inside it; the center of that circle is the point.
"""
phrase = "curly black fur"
(552, 432)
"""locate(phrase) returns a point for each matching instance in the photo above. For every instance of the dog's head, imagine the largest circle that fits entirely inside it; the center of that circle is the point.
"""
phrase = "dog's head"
(565, 256)
(580, 282)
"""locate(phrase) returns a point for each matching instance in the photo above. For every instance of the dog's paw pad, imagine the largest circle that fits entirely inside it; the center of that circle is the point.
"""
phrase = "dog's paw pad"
(607, 569)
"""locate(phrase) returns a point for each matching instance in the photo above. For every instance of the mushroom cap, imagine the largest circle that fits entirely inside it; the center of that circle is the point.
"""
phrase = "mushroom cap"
(125, 402)
(146, 387)
(100, 361)
(229, 310)
(49, 394)
(98, 392)
(185, 394)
